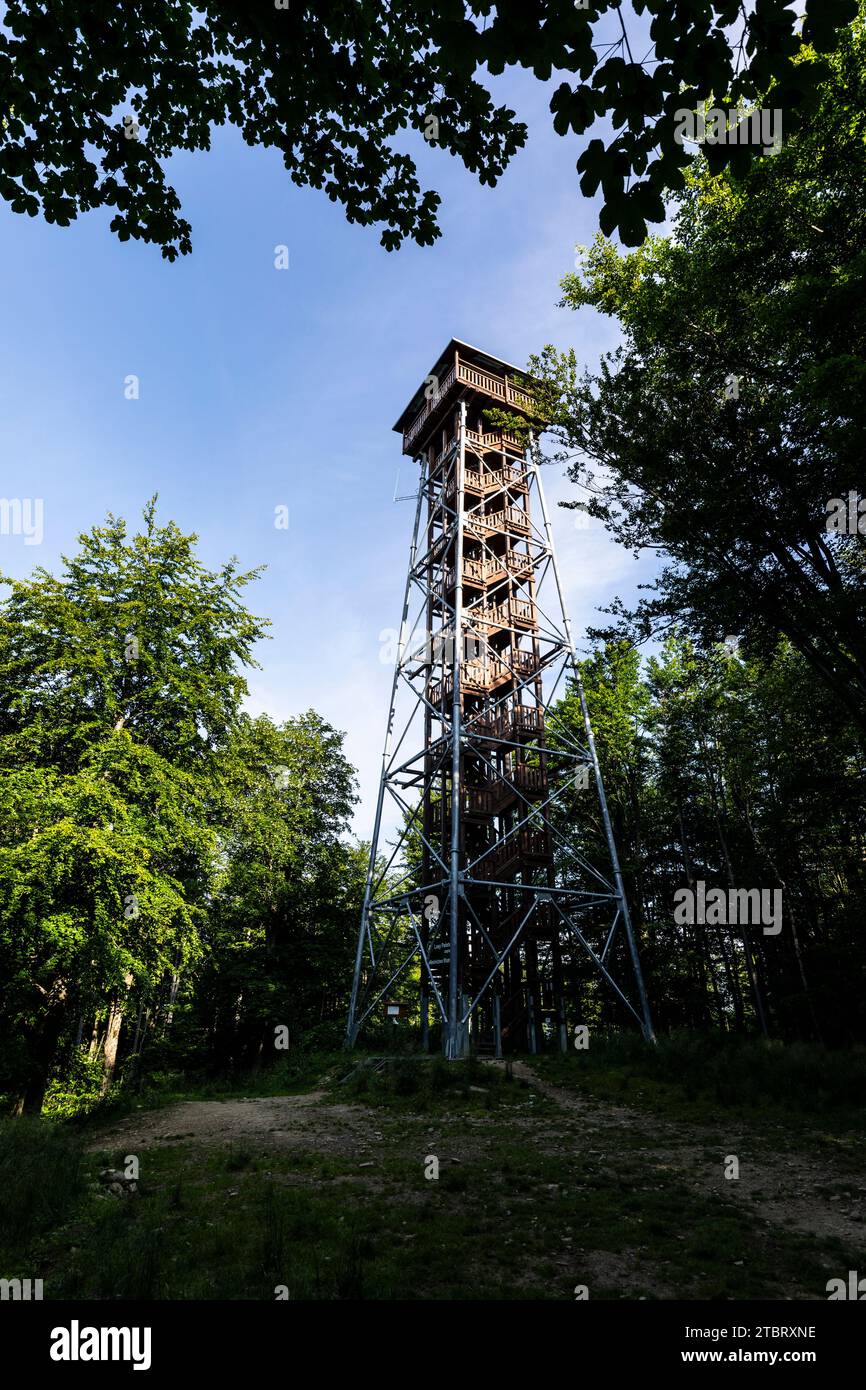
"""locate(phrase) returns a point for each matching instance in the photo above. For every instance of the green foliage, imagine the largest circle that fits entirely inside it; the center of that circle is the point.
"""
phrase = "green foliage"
(737, 771)
(285, 912)
(41, 1177)
(704, 1074)
(97, 100)
(169, 866)
(424, 1083)
(717, 435)
(76, 1091)
(734, 411)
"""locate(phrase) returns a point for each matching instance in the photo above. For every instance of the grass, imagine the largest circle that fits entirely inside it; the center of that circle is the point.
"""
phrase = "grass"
(701, 1077)
(519, 1227)
(42, 1173)
(419, 1085)
(294, 1074)
(530, 1201)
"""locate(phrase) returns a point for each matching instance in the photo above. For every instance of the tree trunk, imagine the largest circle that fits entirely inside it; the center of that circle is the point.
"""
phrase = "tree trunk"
(706, 973)
(112, 1037)
(42, 1053)
(764, 851)
(751, 970)
(172, 999)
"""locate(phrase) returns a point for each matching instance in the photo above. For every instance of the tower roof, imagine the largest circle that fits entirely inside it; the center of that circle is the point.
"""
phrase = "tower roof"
(485, 360)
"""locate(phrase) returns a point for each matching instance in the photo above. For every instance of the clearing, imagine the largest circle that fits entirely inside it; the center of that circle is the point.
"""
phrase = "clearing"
(541, 1189)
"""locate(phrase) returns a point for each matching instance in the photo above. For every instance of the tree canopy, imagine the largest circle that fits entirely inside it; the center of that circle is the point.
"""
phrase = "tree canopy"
(96, 98)
(731, 770)
(151, 833)
(732, 415)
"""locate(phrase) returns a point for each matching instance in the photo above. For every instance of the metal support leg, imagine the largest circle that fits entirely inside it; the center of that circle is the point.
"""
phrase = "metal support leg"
(452, 1043)
(605, 813)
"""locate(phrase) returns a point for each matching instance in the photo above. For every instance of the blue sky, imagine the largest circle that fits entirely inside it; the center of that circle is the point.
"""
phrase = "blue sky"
(261, 388)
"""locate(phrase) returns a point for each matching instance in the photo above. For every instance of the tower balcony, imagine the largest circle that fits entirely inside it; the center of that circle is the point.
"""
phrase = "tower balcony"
(478, 484)
(486, 619)
(521, 613)
(509, 520)
(484, 674)
(476, 803)
(481, 573)
(480, 802)
(489, 618)
(515, 664)
(521, 721)
(526, 849)
(520, 783)
(498, 441)
(486, 382)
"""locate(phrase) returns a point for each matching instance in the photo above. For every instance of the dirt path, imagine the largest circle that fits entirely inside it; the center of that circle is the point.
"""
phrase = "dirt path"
(274, 1121)
(804, 1191)
(786, 1186)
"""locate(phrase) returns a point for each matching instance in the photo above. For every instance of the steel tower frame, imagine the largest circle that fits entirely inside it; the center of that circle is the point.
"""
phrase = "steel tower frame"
(480, 907)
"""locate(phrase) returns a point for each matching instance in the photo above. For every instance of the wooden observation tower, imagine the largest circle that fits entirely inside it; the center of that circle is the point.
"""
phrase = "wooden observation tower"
(477, 771)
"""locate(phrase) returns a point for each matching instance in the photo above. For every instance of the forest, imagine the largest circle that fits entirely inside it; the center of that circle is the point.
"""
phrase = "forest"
(177, 885)
(576, 1010)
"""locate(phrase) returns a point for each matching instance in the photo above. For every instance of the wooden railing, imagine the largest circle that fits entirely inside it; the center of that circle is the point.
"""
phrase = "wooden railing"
(522, 611)
(427, 408)
(442, 454)
(485, 617)
(475, 679)
(487, 571)
(520, 721)
(482, 571)
(488, 616)
(495, 439)
(477, 571)
(474, 801)
(481, 483)
(517, 563)
(509, 476)
(490, 799)
(524, 719)
(487, 523)
(437, 547)
(530, 782)
(533, 845)
(478, 524)
(480, 675)
(521, 663)
(499, 387)
(511, 519)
